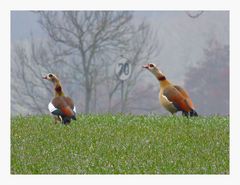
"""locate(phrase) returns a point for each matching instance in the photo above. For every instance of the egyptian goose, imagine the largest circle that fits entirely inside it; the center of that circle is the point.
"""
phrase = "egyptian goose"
(61, 106)
(172, 97)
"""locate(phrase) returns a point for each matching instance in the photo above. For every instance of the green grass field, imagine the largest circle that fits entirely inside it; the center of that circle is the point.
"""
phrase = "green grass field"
(120, 144)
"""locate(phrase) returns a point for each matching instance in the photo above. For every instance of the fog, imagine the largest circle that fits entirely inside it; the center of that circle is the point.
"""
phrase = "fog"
(191, 51)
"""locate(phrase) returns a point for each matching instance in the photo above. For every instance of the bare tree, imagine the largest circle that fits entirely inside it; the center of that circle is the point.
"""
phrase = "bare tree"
(90, 35)
(142, 47)
(29, 62)
(82, 50)
(208, 83)
(28, 89)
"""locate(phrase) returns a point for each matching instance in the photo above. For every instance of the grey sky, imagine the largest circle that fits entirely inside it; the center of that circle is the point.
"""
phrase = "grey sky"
(23, 23)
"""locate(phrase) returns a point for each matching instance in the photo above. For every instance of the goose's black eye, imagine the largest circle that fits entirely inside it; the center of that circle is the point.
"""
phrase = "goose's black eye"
(50, 75)
(151, 65)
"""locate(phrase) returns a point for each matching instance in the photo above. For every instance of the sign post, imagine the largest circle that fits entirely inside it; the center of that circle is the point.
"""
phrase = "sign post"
(123, 71)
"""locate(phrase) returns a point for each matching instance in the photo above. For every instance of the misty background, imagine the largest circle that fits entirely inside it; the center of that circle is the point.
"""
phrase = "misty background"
(83, 48)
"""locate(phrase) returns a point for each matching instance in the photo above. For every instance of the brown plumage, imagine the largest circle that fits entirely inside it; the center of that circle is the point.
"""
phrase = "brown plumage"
(172, 97)
(65, 104)
(61, 106)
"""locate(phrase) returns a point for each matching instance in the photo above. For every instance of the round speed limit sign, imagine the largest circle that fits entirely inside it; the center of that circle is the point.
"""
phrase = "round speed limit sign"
(123, 69)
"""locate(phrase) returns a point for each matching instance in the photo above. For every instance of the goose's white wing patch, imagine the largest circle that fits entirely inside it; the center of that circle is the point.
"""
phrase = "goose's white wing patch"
(74, 110)
(167, 104)
(165, 97)
(51, 107)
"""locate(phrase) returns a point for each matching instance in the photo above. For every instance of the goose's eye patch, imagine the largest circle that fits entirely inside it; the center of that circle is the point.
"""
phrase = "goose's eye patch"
(50, 75)
(151, 65)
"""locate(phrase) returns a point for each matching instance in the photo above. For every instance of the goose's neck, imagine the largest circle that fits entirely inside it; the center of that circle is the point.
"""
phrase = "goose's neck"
(162, 79)
(58, 91)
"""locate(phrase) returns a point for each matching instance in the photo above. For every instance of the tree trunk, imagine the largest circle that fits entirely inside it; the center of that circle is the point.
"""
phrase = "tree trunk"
(88, 100)
(109, 103)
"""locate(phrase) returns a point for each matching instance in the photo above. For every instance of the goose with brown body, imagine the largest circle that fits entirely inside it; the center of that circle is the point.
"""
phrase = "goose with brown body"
(61, 106)
(172, 97)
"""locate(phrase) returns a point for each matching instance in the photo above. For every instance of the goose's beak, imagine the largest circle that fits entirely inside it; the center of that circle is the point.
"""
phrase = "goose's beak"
(45, 77)
(145, 66)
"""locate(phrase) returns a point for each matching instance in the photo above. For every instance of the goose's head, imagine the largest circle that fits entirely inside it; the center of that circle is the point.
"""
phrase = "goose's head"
(155, 71)
(152, 68)
(51, 77)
